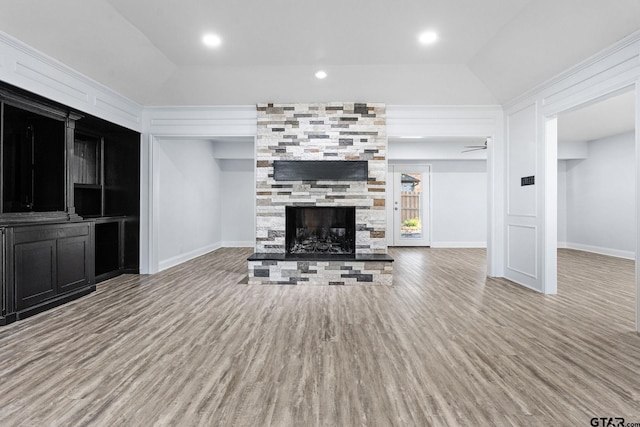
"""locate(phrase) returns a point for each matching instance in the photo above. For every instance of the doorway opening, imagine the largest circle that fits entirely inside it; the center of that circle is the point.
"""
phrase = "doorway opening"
(437, 192)
(596, 200)
(205, 198)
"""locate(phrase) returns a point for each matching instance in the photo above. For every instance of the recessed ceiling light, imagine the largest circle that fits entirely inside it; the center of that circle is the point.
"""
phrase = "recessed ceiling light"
(321, 74)
(428, 37)
(211, 40)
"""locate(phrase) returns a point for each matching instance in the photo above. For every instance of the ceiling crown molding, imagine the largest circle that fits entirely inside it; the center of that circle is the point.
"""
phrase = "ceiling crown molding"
(575, 73)
(27, 68)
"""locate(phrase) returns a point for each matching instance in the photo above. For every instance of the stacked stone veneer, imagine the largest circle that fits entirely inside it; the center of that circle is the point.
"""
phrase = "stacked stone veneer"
(320, 272)
(333, 131)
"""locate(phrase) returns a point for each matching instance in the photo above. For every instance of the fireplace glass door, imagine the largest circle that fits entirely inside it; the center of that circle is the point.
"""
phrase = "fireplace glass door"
(320, 230)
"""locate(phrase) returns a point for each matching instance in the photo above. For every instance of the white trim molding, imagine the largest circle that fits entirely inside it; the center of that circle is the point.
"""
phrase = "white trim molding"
(443, 120)
(459, 244)
(201, 121)
(238, 244)
(612, 68)
(600, 250)
(32, 70)
(179, 259)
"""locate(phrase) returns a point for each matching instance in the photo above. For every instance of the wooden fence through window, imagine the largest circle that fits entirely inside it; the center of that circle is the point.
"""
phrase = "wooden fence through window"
(410, 203)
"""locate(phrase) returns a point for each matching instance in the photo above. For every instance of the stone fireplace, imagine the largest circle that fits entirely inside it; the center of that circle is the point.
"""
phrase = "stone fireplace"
(320, 191)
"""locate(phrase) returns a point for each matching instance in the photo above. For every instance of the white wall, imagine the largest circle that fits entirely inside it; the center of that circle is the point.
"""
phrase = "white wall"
(600, 197)
(432, 149)
(238, 202)
(562, 203)
(522, 232)
(431, 84)
(571, 150)
(189, 201)
(459, 203)
(458, 186)
(233, 148)
(567, 150)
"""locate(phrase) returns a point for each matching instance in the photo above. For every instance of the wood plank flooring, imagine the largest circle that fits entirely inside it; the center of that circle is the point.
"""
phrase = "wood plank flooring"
(444, 346)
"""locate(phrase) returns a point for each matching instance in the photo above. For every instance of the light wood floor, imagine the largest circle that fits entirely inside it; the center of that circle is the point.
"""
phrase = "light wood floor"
(444, 346)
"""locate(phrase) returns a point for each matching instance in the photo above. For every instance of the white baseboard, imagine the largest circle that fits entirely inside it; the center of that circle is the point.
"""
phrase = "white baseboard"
(179, 259)
(563, 245)
(602, 251)
(238, 244)
(519, 282)
(458, 244)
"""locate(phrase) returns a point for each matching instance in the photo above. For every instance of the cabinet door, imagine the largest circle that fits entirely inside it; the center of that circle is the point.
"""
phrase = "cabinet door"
(73, 263)
(35, 272)
(3, 300)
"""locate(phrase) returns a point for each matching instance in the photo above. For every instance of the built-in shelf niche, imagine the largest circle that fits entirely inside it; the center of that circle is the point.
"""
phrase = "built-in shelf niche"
(105, 179)
(32, 152)
(87, 175)
(109, 245)
(87, 155)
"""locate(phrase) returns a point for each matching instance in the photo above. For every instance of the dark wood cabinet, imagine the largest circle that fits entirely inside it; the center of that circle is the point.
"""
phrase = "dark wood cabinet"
(33, 159)
(3, 297)
(69, 202)
(49, 264)
(34, 272)
(73, 266)
(109, 193)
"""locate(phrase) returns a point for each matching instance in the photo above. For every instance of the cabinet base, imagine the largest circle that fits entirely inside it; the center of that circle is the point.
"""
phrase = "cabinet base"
(108, 275)
(9, 318)
(63, 299)
(115, 273)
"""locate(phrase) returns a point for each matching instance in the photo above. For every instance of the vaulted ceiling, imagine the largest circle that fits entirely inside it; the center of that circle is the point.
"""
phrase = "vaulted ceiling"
(489, 51)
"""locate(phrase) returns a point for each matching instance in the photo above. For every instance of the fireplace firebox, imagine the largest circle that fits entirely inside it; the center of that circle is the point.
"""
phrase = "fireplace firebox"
(320, 230)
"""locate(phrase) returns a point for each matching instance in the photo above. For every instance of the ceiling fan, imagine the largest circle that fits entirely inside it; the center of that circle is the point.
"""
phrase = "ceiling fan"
(476, 147)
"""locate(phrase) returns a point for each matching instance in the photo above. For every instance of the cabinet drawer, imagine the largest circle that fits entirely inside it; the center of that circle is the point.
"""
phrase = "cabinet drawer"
(39, 233)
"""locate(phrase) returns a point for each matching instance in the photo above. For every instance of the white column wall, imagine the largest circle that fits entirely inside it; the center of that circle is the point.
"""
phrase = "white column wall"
(637, 210)
(613, 70)
(562, 203)
(522, 230)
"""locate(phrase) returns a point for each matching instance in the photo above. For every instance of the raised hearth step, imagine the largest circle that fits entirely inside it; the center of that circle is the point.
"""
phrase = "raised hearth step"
(319, 257)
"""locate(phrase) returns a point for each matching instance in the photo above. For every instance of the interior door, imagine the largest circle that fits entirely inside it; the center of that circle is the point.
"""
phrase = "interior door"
(410, 205)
